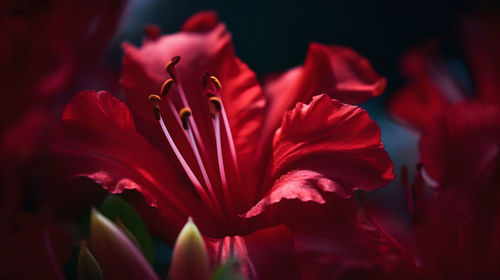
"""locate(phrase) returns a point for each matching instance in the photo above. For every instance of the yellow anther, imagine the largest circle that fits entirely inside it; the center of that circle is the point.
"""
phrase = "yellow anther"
(169, 67)
(155, 99)
(216, 82)
(165, 88)
(185, 113)
(214, 105)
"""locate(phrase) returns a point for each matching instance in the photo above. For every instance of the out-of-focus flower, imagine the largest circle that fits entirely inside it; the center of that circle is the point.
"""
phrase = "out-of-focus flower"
(43, 46)
(239, 172)
(456, 226)
(432, 88)
(190, 258)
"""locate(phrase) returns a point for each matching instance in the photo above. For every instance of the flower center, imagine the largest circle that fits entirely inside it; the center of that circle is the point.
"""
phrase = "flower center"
(215, 199)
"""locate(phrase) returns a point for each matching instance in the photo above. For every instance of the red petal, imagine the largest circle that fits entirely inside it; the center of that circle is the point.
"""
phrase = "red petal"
(482, 41)
(329, 238)
(332, 146)
(462, 147)
(143, 74)
(201, 22)
(263, 254)
(429, 91)
(336, 71)
(97, 139)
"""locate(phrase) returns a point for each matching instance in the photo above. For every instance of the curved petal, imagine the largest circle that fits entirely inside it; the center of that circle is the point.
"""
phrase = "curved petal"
(332, 146)
(201, 22)
(337, 71)
(212, 51)
(98, 139)
(462, 147)
(330, 238)
(429, 91)
(263, 254)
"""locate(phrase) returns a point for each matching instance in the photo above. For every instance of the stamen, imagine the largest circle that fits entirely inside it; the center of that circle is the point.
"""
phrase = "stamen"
(169, 67)
(197, 185)
(220, 159)
(155, 99)
(185, 113)
(216, 82)
(215, 105)
(167, 85)
(229, 134)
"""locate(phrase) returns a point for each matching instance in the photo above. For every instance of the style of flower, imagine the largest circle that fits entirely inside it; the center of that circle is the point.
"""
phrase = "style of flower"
(250, 164)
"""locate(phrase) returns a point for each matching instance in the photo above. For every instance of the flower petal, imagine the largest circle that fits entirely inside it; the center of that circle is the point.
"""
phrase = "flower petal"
(482, 41)
(329, 238)
(332, 146)
(337, 71)
(429, 91)
(462, 147)
(98, 139)
(201, 22)
(263, 254)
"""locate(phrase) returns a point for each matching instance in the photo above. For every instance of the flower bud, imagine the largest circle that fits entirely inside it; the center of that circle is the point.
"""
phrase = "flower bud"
(118, 256)
(88, 268)
(190, 258)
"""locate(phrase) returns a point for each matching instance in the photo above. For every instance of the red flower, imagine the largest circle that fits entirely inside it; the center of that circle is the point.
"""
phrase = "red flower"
(223, 161)
(457, 225)
(432, 88)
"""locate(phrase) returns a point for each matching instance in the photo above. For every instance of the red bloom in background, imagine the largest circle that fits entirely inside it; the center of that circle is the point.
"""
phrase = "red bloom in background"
(251, 164)
(44, 46)
(431, 88)
(457, 226)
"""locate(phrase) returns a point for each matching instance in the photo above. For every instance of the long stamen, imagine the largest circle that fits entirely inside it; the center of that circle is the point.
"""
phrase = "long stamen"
(217, 86)
(185, 113)
(170, 68)
(155, 99)
(215, 106)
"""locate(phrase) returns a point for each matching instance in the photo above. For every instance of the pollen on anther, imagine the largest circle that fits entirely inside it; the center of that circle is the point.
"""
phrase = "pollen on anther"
(216, 82)
(155, 99)
(167, 85)
(215, 105)
(172, 63)
(184, 114)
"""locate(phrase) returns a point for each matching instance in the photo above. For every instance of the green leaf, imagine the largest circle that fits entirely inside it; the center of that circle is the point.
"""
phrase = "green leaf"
(113, 207)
